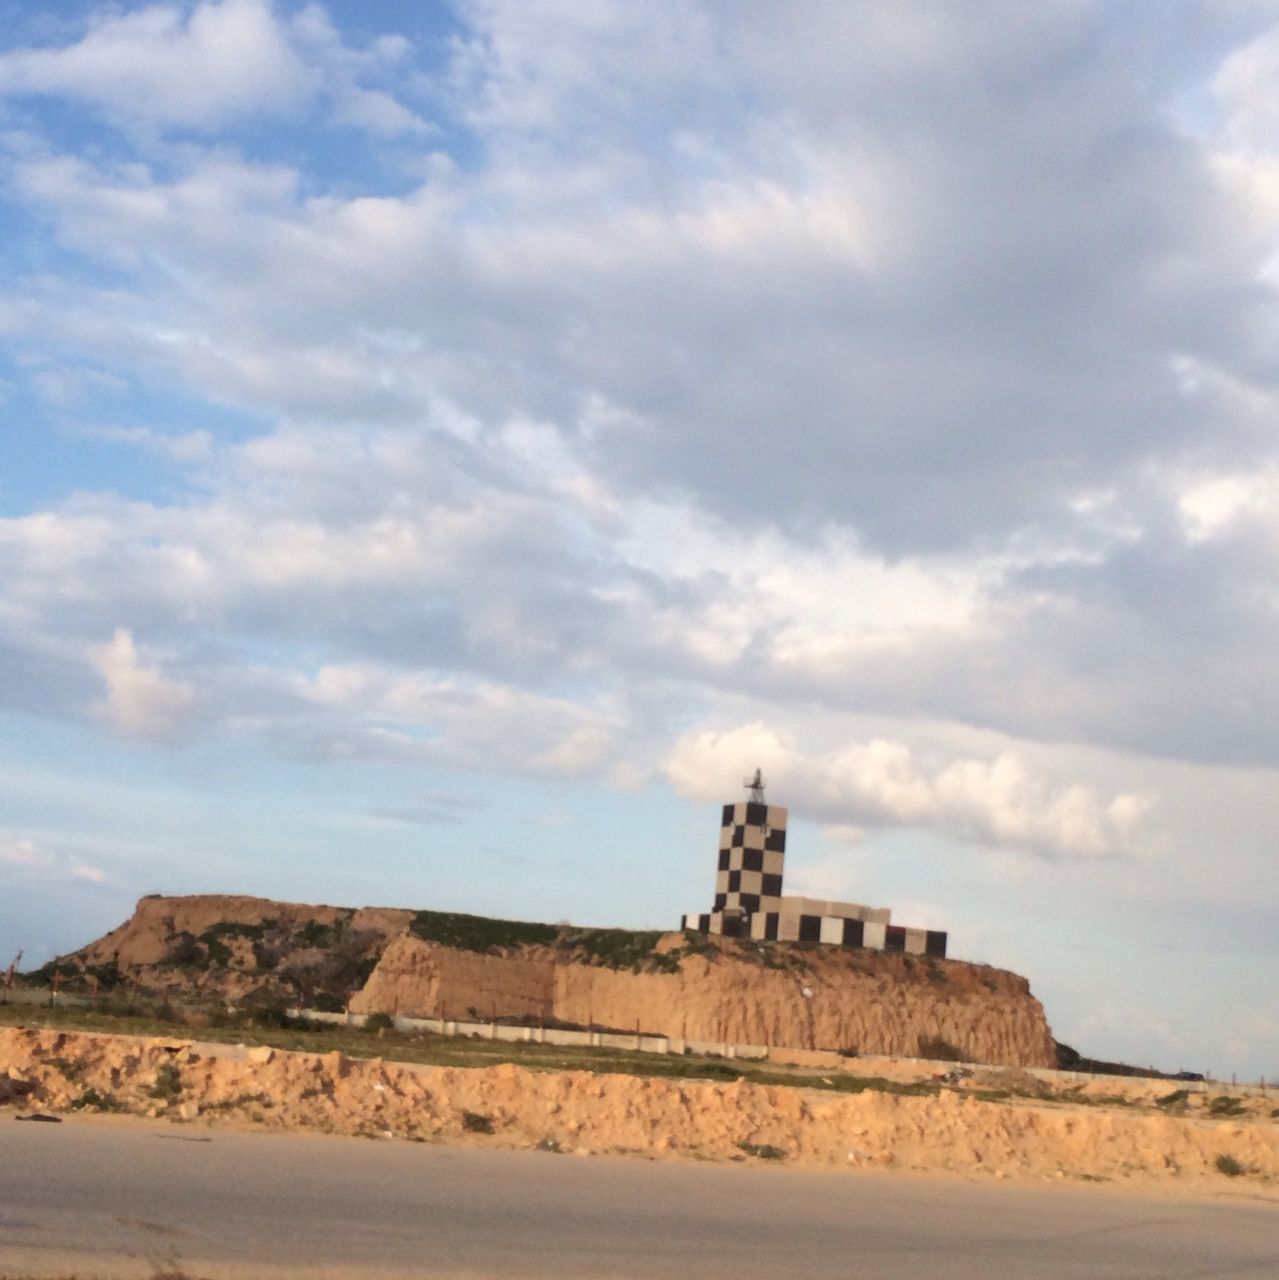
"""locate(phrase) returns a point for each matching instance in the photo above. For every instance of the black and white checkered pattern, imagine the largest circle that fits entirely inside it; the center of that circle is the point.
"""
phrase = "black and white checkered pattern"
(749, 903)
(752, 854)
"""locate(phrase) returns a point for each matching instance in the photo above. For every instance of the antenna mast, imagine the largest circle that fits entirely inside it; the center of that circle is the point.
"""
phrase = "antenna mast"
(755, 787)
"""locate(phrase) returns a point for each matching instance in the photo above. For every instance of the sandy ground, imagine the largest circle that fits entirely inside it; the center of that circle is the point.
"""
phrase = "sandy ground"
(1056, 1138)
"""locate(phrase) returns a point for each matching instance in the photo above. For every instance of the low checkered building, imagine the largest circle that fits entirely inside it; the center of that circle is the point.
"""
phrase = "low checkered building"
(749, 901)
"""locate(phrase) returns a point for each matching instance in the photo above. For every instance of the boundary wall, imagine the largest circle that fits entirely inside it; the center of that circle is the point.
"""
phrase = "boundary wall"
(634, 1041)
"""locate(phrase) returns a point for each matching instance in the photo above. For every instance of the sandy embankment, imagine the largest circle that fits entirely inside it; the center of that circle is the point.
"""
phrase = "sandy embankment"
(582, 1112)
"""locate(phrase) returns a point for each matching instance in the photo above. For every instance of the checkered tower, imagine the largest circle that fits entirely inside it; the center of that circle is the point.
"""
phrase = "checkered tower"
(752, 853)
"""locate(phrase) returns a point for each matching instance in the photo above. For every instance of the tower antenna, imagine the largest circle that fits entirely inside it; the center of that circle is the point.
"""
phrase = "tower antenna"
(755, 787)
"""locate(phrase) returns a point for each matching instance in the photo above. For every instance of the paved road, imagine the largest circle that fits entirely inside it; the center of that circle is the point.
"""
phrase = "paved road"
(102, 1200)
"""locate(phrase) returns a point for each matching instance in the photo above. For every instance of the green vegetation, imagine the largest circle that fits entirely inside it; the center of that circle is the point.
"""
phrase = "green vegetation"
(473, 1122)
(238, 929)
(1225, 1105)
(70, 1068)
(1077, 1095)
(762, 1150)
(479, 933)
(168, 1083)
(216, 952)
(1177, 1098)
(240, 1100)
(1229, 1166)
(991, 1095)
(321, 936)
(633, 949)
(92, 1100)
(379, 1021)
(619, 948)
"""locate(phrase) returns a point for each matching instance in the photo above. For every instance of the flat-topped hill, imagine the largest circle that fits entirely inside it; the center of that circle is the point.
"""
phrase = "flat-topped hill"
(796, 995)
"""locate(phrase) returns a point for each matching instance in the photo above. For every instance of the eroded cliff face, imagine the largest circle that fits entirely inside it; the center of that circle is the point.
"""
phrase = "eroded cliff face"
(416, 978)
(780, 995)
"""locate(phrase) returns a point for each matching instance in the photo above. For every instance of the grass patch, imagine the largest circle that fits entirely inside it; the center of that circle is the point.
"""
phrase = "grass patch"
(315, 934)
(1225, 1105)
(92, 1100)
(762, 1150)
(1077, 1095)
(1176, 1098)
(474, 1122)
(990, 1095)
(376, 1022)
(240, 1100)
(216, 952)
(1229, 1166)
(479, 933)
(622, 949)
(168, 1083)
(69, 1068)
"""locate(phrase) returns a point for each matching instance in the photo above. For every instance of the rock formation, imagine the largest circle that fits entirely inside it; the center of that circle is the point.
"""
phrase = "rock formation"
(777, 994)
(234, 947)
(691, 987)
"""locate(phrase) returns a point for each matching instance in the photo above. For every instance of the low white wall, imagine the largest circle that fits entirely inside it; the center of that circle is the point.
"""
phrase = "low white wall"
(549, 1035)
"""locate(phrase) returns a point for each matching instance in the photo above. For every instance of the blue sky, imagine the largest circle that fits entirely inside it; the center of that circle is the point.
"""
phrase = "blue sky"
(446, 447)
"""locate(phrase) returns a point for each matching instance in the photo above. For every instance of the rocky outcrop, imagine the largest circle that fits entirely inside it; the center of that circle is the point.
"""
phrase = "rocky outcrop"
(233, 947)
(778, 994)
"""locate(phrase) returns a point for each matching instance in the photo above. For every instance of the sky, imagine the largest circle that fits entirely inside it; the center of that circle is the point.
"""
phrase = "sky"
(445, 448)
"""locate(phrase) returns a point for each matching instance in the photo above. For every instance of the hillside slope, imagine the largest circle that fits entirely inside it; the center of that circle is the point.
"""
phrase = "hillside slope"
(232, 949)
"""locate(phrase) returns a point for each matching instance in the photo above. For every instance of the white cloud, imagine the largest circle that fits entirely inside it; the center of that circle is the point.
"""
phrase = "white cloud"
(219, 63)
(225, 61)
(997, 801)
(22, 853)
(27, 858)
(142, 702)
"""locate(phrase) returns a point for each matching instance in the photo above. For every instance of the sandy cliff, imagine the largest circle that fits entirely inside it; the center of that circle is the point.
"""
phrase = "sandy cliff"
(801, 996)
(233, 946)
(797, 996)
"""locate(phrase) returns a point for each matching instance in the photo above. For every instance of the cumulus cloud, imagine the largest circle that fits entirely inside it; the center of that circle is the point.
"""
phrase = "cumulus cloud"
(222, 61)
(217, 63)
(797, 389)
(998, 801)
(141, 701)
